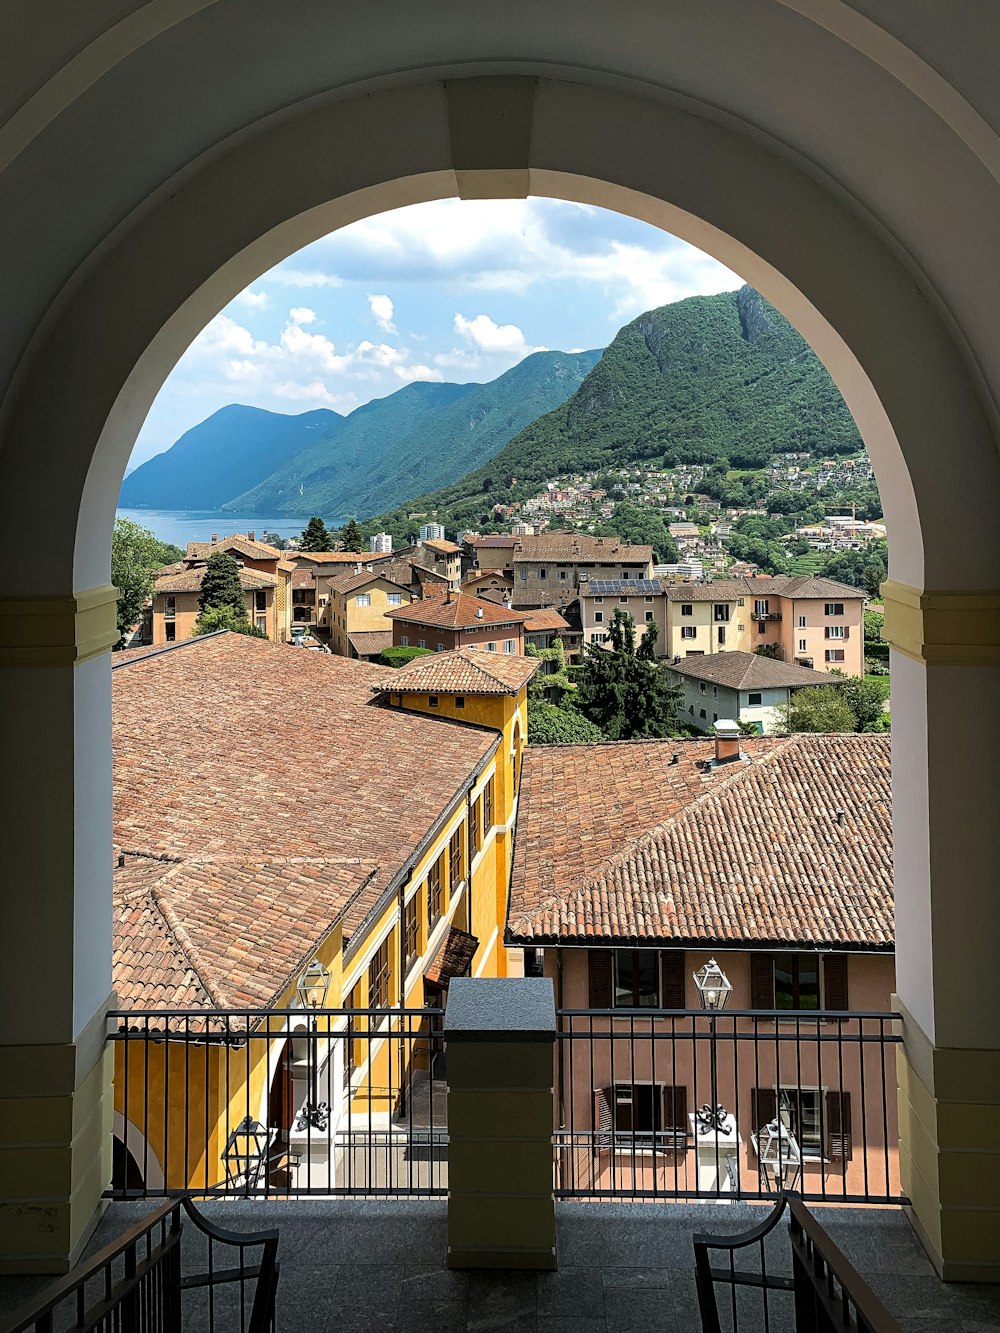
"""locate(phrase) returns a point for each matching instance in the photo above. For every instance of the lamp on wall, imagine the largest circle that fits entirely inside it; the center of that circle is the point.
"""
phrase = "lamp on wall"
(313, 987)
(244, 1152)
(714, 989)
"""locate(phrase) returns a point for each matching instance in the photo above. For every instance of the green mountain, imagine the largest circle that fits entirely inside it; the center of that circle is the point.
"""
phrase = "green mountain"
(704, 379)
(422, 436)
(233, 449)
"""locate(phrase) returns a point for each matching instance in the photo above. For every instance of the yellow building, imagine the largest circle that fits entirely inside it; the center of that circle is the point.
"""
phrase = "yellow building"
(356, 612)
(350, 819)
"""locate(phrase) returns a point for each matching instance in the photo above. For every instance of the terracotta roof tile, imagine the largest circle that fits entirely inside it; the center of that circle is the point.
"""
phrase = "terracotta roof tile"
(544, 618)
(629, 846)
(464, 671)
(749, 671)
(190, 580)
(459, 611)
(370, 642)
(579, 546)
(236, 541)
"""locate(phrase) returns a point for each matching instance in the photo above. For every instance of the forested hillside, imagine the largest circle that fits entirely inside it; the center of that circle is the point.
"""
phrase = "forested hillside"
(704, 379)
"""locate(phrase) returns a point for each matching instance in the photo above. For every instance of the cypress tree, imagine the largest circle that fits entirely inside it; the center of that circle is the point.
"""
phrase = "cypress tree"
(316, 536)
(623, 689)
(350, 537)
(221, 584)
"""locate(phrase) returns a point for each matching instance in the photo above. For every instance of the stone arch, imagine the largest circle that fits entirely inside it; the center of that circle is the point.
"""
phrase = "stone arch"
(142, 1154)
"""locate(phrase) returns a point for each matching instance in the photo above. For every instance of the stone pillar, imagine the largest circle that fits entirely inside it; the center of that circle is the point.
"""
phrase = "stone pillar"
(946, 848)
(56, 1069)
(500, 1035)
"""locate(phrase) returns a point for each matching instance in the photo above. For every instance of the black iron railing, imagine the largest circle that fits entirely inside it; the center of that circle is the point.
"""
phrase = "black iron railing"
(281, 1103)
(661, 1104)
(136, 1284)
(808, 1285)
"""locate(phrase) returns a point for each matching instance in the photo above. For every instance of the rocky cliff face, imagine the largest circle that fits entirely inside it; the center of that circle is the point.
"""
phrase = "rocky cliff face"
(752, 310)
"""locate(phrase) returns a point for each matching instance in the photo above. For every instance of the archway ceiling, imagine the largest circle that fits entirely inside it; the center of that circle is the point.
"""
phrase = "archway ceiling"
(106, 103)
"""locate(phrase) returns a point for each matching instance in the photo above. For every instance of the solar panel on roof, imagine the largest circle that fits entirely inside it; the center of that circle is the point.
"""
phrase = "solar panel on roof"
(638, 586)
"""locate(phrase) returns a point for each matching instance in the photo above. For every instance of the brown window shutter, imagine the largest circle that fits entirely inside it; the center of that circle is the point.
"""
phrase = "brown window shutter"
(604, 1117)
(839, 1136)
(835, 981)
(675, 1112)
(599, 962)
(672, 979)
(764, 1102)
(761, 981)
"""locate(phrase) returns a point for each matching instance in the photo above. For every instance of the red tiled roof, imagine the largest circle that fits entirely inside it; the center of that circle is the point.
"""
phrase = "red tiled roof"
(464, 671)
(453, 958)
(354, 579)
(750, 671)
(442, 547)
(371, 642)
(303, 578)
(579, 546)
(459, 611)
(236, 541)
(616, 843)
(190, 580)
(544, 618)
(261, 774)
(328, 557)
(778, 585)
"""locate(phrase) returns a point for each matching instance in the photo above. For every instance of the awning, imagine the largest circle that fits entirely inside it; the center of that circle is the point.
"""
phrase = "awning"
(453, 958)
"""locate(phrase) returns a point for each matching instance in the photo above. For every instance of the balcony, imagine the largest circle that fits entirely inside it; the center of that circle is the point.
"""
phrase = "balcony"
(765, 615)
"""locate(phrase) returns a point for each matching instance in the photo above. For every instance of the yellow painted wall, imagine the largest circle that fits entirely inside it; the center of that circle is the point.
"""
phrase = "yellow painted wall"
(346, 617)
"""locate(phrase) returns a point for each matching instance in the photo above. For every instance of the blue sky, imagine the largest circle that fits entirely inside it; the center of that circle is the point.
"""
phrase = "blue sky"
(451, 290)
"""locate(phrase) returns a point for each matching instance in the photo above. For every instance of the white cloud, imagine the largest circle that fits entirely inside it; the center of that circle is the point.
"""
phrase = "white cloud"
(492, 338)
(255, 300)
(301, 314)
(297, 277)
(417, 372)
(383, 310)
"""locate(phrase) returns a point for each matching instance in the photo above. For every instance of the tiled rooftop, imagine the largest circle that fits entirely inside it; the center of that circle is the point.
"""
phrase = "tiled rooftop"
(464, 671)
(781, 585)
(370, 642)
(262, 777)
(749, 671)
(190, 580)
(236, 541)
(458, 611)
(579, 546)
(616, 842)
(545, 618)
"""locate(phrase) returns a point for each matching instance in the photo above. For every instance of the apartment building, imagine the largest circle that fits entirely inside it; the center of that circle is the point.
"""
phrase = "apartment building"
(356, 615)
(550, 568)
(643, 599)
(667, 854)
(265, 577)
(743, 687)
(456, 620)
(443, 557)
(225, 904)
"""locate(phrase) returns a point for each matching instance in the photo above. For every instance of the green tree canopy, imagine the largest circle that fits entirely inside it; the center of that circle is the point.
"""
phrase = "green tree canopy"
(351, 537)
(866, 700)
(623, 689)
(215, 618)
(316, 536)
(221, 585)
(135, 554)
(867, 569)
(874, 623)
(559, 724)
(817, 708)
(399, 656)
(642, 527)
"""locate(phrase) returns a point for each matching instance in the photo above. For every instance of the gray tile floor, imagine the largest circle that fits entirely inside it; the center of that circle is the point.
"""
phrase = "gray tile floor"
(623, 1268)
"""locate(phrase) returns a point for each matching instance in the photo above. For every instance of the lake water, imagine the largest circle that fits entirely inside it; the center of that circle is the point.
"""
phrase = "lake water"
(180, 526)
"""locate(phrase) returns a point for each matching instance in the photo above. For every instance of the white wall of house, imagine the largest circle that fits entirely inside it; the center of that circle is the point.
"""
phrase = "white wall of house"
(703, 703)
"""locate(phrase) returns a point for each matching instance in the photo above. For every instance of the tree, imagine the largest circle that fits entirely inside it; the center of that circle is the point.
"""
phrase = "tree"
(559, 724)
(874, 623)
(399, 656)
(135, 554)
(221, 585)
(623, 689)
(642, 527)
(867, 568)
(351, 537)
(866, 700)
(316, 536)
(215, 618)
(279, 543)
(772, 650)
(817, 708)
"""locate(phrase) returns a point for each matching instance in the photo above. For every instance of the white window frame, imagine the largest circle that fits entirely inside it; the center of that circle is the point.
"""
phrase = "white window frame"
(833, 609)
(363, 599)
(689, 631)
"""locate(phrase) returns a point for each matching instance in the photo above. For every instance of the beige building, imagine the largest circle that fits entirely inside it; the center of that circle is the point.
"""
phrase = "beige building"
(358, 607)
(265, 576)
(443, 557)
(550, 568)
(642, 599)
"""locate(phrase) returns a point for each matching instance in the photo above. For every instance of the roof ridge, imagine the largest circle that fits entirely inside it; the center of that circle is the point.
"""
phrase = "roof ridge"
(187, 946)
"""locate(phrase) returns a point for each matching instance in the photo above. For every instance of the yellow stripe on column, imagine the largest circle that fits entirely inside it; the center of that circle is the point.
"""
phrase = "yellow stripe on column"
(943, 628)
(58, 631)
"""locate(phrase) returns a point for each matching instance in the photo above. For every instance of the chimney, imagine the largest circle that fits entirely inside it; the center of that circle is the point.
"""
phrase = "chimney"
(727, 742)
(479, 613)
(841, 816)
(357, 567)
(215, 536)
(251, 536)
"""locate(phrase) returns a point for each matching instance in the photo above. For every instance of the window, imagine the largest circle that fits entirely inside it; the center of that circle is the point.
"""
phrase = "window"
(459, 700)
(834, 655)
(421, 643)
(598, 638)
(491, 647)
(379, 976)
(260, 600)
(624, 573)
(411, 931)
(740, 601)
(170, 631)
(760, 607)
(534, 963)
(802, 622)
(753, 699)
(543, 573)
(510, 645)
(435, 892)
(796, 981)
(262, 623)
(351, 1045)
(456, 862)
(624, 600)
(598, 601)
(701, 686)
(170, 608)
(439, 648)
(701, 712)
(649, 616)
(404, 641)
(394, 598)
(835, 632)
(488, 806)
(802, 645)
(722, 634)
(720, 611)
(636, 979)
(689, 632)
(833, 609)
(563, 575)
(687, 609)
(432, 701)
(363, 599)
(650, 1113)
(598, 617)
(523, 575)
(475, 836)
(647, 599)
(761, 627)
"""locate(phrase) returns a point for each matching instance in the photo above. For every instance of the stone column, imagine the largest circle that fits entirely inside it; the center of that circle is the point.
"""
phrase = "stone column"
(500, 1035)
(56, 1069)
(946, 848)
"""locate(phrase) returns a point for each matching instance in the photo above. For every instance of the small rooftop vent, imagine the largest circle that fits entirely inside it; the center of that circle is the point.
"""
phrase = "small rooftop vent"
(479, 613)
